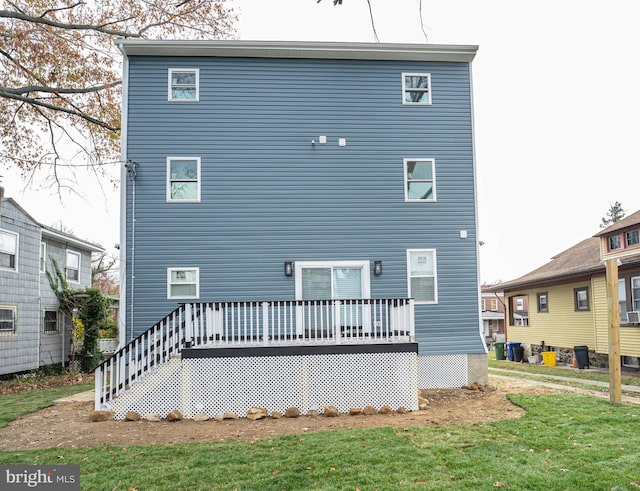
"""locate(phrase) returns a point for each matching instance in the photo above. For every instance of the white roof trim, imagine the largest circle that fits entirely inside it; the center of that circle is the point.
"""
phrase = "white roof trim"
(287, 49)
(70, 240)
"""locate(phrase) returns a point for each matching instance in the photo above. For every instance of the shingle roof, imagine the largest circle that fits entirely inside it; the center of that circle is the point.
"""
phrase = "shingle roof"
(629, 221)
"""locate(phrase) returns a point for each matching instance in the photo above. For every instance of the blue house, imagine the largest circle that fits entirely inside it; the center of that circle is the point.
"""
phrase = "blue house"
(285, 200)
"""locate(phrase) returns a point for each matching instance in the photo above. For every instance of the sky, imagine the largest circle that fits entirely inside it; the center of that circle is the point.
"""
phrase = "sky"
(556, 105)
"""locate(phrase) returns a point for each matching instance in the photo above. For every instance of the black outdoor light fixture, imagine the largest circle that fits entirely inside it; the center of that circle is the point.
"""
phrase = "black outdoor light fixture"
(288, 268)
(377, 268)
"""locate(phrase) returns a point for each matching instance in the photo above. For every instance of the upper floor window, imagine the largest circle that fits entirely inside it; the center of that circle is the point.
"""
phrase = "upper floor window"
(416, 88)
(43, 257)
(494, 304)
(50, 323)
(72, 266)
(635, 293)
(7, 319)
(543, 302)
(631, 238)
(614, 242)
(420, 180)
(519, 303)
(8, 249)
(183, 179)
(422, 273)
(184, 84)
(581, 298)
(183, 282)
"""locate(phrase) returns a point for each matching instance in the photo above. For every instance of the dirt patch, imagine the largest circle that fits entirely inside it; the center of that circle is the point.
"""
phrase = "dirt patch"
(67, 424)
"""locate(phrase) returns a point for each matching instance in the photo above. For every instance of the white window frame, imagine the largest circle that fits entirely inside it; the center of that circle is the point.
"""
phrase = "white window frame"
(171, 86)
(11, 253)
(634, 301)
(494, 305)
(169, 284)
(44, 321)
(169, 181)
(13, 308)
(406, 89)
(66, 265)
(43, 257)
(364, 265)
(435, 277)
(405, 164)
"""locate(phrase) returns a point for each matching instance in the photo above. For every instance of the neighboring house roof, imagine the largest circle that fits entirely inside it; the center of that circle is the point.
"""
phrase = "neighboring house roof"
(579, 260)
(58, 235)
(292, 49)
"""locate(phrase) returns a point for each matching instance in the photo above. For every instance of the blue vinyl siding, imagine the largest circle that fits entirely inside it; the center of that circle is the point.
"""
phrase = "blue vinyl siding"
(268, 195)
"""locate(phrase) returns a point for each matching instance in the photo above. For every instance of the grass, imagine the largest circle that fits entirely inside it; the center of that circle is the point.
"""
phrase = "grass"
(13, 406)
(563, 442)
(557, 371)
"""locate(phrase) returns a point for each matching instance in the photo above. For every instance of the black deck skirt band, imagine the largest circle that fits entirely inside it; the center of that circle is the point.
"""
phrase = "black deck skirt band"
(334, 349)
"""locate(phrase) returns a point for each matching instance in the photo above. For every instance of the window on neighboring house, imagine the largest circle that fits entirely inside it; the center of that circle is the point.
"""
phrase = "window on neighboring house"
(635, 293)
(518, 316)
(183, 283)
(183, 179)
(73, 267)
(543, 305)
(622, 300)
(184, 85)
(631, 238)
(416, 88)
(422, 275)
(8, 249)
(43, 257)
(581, 298)
(51, 322)
(614, 242)
(519, 303)
(484, 304)
(7, 319)
(494, 304)
(420, 180)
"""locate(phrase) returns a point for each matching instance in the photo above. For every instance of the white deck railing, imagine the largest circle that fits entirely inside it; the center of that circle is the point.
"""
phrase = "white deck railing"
(256, 323)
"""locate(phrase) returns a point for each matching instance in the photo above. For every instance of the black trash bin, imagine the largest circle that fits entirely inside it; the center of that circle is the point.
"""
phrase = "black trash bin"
(518, 353)
(582, 356)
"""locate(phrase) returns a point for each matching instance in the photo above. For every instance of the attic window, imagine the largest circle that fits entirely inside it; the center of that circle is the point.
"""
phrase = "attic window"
(184, 85)
(614, 242)
(416, 88)
(631, 238)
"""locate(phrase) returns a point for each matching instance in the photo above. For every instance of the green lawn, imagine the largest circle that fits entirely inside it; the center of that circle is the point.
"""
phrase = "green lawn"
(14, 405)
(563, 442)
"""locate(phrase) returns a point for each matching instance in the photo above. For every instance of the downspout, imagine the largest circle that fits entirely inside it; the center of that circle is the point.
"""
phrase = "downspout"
(131, 167)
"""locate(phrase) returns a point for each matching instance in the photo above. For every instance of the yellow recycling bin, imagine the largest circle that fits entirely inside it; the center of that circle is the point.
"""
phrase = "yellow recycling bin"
(549, 358)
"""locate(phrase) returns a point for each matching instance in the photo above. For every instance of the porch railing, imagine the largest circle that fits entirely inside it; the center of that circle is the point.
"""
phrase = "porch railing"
(255, 323)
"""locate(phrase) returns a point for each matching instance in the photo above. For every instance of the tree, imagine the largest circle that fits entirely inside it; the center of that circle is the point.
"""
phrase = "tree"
(613, 215)
(59, 71)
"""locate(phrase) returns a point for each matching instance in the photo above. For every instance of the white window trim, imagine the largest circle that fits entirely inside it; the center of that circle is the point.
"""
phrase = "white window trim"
(15, 320)
(170, 270)
(435, 276)
(66, 266)
(404, 89)
(169, 198)
(43, 257)
(57, 331)
(17, 236)
(405, 163)
(170, 86)
(364, 265)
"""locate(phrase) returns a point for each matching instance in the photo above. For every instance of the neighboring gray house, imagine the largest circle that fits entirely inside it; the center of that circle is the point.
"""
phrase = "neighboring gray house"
(33, 332)
(307, 194)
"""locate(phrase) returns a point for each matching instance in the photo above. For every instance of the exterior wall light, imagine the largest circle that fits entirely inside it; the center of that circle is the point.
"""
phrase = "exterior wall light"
(377, 268)
(288, 268)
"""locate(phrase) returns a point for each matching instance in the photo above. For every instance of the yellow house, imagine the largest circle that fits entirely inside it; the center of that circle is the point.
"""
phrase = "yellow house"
(567, 299)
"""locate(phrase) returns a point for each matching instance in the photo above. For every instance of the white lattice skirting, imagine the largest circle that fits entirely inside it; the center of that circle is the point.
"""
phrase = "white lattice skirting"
(442, 371)
(204, 381)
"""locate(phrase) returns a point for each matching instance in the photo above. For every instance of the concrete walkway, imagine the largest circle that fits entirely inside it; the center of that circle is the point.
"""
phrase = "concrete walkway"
(79, 397)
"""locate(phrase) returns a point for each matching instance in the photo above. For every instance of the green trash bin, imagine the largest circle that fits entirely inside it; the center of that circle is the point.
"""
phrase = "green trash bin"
(499, 347)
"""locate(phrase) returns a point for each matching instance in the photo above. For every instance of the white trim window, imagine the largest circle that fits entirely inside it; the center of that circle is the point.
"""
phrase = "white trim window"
(416, 89)
(50, 321)
(43, 257)
(326, 280)
(184, 84)
(8, 319)
(635, 293)
(183, 179)
(420, 180)
(183, 283)
(422, 275)
(8, 250)
(72, 266)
